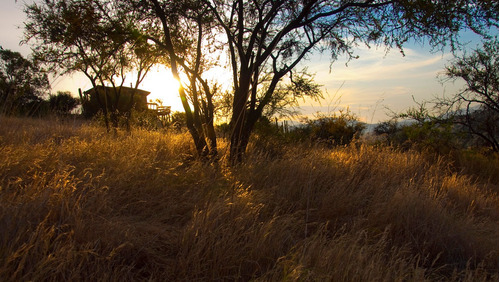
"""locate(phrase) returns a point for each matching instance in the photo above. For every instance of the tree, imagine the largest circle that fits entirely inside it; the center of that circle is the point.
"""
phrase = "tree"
(269, 38)
(62, 103)
(184, 30)
(93, 37)
(476, 106)
(188, 33)
(474, 110)
(22, 83)
(265, 40)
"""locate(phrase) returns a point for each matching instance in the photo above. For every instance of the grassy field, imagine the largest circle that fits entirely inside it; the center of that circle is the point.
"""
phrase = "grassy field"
(79, 204)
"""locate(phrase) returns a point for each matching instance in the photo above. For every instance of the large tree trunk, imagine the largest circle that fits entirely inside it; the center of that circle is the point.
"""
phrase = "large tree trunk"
(239, 134)
(212, 140)
(199, 140)
(241, 129)
(238, 146)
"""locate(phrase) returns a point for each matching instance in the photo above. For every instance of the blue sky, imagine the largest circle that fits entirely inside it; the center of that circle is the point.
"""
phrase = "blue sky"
(379, 80)
(368, 86)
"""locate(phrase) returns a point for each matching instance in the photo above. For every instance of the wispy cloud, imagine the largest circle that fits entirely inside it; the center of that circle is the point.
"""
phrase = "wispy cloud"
(378, 80)
(375, 65)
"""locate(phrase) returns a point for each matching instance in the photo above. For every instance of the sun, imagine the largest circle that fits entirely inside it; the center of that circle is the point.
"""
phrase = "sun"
(160, 82)
(164, 87)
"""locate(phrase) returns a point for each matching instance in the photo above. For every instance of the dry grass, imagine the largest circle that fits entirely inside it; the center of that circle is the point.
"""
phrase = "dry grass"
(79, 204)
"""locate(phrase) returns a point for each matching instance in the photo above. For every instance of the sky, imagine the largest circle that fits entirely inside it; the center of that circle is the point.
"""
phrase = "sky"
(372, 86)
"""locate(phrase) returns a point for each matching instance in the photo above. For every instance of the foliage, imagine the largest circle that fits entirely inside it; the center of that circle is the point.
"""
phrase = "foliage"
(264, 42)
(23, 84)
(441, 140)
(476, 106)
(272, 137)
(138, 119)
(431, 136)
(337, 129)
(93, 37)
(179, 117)
(389, 127)
(147, 120)
(223, 130)
(466, 119)
(479, 70)
(435, 136)
(80, 204)
(287, 96)
(63, 103)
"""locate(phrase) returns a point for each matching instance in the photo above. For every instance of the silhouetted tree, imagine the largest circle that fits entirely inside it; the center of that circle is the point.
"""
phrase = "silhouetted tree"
(22, 84)
(271, 37)
(472, 111)
(185, 31)
(62, 103)
(266, 40)
(476, 106)
(94, 37)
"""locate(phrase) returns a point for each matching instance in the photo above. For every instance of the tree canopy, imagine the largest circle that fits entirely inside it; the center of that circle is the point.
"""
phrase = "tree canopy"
(476, 106)
(264, 41)
(269, 38)
(22, 83)
(93, 37)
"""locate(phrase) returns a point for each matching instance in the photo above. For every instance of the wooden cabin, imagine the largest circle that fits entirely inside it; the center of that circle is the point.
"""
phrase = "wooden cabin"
(122, 99)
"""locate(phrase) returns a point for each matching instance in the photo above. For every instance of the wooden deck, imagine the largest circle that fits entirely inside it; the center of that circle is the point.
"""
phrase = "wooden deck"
(163, 112)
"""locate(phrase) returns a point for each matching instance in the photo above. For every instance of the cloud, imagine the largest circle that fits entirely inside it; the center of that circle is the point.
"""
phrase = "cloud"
(379, 80)
(376, 66)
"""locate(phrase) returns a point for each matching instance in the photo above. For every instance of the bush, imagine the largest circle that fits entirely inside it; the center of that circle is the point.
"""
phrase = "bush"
(179, 117)
(62, 103)
(222, 130)
(148, 120)
(338, 129)
(435, 137)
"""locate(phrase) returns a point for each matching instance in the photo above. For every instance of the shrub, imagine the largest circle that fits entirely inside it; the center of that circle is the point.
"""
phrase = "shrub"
(338, 129)
(435, 137)
(63, 103)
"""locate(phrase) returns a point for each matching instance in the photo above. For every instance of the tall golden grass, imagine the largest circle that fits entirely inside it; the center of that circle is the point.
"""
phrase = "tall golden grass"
(79, 204)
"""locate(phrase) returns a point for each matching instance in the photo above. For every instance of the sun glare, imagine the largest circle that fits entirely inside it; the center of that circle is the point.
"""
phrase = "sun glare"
(160, 82)
(163, 87)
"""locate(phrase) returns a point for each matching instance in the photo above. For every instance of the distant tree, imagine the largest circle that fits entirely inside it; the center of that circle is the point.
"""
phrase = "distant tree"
(62, 103)
(92, 37)
(473, 111)
(476, 106)
(23, 84)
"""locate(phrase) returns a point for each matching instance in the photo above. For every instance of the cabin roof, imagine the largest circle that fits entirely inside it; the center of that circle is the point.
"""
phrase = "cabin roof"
(127, 89)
